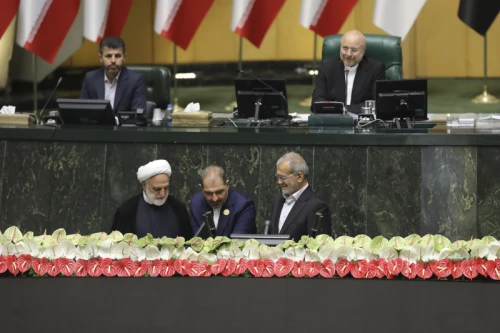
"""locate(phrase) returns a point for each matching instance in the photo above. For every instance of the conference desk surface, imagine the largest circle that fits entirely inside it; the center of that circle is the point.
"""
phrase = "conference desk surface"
(375, 181)
(438, 135)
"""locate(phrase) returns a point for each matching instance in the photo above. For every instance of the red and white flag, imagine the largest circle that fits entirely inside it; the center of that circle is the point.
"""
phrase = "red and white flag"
(105, 18)
(252, 18)
(178, 20)
(8, 13)
(325, 17)
(42, 25)
(397, 17)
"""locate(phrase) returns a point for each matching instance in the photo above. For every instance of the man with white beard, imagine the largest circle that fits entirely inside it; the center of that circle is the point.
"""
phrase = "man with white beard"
(153, 211)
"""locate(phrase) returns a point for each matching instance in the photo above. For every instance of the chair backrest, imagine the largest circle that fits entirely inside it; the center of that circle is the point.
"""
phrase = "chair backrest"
(157, 80)
(386, 49)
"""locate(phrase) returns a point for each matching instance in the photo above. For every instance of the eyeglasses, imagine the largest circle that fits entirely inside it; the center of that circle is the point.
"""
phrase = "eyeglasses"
(283, 178)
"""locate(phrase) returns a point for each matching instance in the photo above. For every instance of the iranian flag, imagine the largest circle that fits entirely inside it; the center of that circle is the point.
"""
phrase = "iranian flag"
(7, 15)
(42, 25)
(178, 20)
(104, 18)
(325, 17)
(252, 18)
(397, 17)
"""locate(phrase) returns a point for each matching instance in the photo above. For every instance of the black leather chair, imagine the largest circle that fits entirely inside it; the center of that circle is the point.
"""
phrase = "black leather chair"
(386, 49)
(157, 80)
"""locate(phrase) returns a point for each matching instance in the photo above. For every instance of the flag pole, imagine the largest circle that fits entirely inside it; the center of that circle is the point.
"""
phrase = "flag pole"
(176, 106)
(307, 102)
(485, 98)
(35, 87)
(230, 107)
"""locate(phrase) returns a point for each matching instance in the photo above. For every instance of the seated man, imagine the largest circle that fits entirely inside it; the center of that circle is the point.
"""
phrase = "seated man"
(350, 79)
(153, 211)
(233, 211)
(293, 212)
(124, 88)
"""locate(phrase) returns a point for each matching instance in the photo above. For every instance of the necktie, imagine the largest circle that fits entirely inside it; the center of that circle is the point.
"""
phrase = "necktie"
(346, 82)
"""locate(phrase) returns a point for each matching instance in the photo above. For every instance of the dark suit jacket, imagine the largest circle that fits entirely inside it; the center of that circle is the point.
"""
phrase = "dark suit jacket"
(240, 220)
(301, 218)
(330, 83)
(124, 220)
(130, 92)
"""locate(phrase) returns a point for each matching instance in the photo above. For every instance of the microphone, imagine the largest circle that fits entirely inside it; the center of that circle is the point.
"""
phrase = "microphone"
(209, 221)
(267, 223)
(317, 224)
(48, 100)
(256, 78)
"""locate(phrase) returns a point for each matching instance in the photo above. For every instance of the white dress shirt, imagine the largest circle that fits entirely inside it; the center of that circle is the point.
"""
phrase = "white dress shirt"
(110, 89)
(350, 82)
(216, 216)
(288, 205)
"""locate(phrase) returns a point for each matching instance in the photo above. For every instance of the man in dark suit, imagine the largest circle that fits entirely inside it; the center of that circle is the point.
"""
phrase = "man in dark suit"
(353, 67)
(293, 212)
(124, 88)
(233, 211)
(153, 211)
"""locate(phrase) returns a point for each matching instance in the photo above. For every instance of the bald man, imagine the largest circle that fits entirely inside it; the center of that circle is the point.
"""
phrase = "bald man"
(233, 211)
(153, 211)
(351, 78)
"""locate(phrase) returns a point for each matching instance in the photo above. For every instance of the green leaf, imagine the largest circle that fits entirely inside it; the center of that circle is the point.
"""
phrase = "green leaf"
(412, 239)
(440, 242)
(13, 234)
(396, 243)
(361, 241)
(378, 243)
(344, 240)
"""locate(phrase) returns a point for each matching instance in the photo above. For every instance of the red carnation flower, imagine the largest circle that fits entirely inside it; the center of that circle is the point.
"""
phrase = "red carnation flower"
(283, 266)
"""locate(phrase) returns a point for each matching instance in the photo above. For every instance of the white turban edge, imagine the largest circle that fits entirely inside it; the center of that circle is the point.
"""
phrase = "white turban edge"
(152, 169)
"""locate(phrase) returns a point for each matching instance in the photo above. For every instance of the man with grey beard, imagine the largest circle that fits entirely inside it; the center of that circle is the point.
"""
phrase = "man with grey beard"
(153, 211)
(293, 211)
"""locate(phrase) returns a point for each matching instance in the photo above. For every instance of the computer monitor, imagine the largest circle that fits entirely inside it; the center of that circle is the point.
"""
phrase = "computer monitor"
(271, 240)
(86, 112)
(273, 102)
(401, 99)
